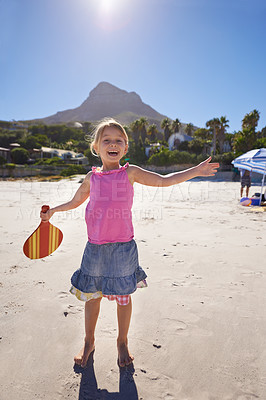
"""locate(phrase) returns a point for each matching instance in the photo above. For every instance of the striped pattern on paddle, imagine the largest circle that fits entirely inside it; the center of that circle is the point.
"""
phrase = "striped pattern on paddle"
(43, 241)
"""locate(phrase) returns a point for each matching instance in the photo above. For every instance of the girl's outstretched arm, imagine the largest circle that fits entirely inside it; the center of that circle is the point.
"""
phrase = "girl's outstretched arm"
(140, 175)
(80, 196)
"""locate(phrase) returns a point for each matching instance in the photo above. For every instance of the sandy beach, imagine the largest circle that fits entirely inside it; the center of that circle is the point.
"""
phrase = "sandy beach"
(197, 331)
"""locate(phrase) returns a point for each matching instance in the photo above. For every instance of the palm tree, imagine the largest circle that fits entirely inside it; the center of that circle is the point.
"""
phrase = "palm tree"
(214, 125)
(250, 121)
(135, 129)
(143, 122)
(189, 129)
(202, 133)
(128, 132)
(166, 126)
(176, 125)
(221, 132)
(245, 140)
(152, 131)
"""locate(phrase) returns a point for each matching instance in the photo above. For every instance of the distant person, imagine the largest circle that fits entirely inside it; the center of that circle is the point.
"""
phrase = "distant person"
(245, 180)
(110, 266)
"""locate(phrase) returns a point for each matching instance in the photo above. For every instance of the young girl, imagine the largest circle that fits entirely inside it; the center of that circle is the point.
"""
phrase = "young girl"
(110, 266)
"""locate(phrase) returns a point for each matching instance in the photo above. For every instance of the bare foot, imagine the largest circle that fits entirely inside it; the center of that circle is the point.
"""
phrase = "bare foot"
(124, 357)
(83, 355)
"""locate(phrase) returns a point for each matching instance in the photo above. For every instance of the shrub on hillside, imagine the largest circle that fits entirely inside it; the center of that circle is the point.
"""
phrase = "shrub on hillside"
(182, 157)
(10, 165)
(225, 158)
(260, 143)
(73, 170)
(162, 158)
(166, 157)
(49, 161)
(7, 137)
(20, 155)
(183, 146)
(136, 152)
(92, 160)
(30, 142)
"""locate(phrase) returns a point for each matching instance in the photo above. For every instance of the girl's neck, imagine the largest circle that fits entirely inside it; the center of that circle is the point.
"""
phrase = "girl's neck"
(110, 166)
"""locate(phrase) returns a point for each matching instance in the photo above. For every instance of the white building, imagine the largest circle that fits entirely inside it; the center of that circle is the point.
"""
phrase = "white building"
(5, 153)
(178, 137)
(66, 155)
(148, 149)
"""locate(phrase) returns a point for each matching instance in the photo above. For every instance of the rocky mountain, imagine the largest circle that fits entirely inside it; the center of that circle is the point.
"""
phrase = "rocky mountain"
(106, 100)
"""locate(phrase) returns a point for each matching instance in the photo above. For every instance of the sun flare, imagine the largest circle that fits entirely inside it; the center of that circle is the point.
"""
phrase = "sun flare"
(113, 15)
(110, 6)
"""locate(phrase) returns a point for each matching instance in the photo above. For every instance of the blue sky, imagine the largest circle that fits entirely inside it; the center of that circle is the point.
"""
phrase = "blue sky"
(189, 59)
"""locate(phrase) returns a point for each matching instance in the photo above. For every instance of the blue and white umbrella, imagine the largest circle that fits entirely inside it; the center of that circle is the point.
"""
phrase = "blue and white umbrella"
(255, 161)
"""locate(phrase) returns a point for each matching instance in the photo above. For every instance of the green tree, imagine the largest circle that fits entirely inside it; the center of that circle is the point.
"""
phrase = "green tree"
(42, 139)
(183, 146)
(6, 124)
(40, 129)
(175, 125)
(245, 140)
(143, 123)
(7, 137)
(92, 160)
(82, 145)
(189, 129)
(196, 146)
(136, 152)
(31, 142)
(203, 133)
(214, 125)
(87, 128)
(135, 129)
(167, 157)
(260, 143)
(19, 155)
(250, 121)
(166, 126)
(229, 137)
(162, 158)
(240, 143)
(152, 132)
(263, 132)
(225, 158)
(221, 132)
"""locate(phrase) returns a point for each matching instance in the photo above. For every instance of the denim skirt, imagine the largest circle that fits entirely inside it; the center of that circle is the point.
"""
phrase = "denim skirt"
(112, 268)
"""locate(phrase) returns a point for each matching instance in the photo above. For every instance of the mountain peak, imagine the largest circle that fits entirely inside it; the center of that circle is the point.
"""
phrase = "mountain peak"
(105, 88)
(107, 100)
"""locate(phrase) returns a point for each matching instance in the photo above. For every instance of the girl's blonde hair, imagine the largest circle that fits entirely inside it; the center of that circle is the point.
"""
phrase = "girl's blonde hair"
(98, 131)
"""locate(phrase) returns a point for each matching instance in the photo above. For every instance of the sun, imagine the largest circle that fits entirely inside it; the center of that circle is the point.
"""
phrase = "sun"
(113, 15)
(110, 6)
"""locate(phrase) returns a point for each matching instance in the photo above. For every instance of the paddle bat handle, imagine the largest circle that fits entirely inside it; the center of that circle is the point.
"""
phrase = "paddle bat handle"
(45, 209)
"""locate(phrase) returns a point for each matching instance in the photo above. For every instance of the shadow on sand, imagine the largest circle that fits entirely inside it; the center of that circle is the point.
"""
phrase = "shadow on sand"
(89, 388)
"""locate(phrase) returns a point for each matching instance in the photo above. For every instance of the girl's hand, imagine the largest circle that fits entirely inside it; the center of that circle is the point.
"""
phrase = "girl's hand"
(47, 215)
(206, 168)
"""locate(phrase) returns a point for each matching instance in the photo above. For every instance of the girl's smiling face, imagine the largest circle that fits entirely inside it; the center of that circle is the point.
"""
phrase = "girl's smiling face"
(112, 145)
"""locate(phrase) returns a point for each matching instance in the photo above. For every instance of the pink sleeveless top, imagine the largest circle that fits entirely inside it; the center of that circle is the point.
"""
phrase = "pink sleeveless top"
(108, 213)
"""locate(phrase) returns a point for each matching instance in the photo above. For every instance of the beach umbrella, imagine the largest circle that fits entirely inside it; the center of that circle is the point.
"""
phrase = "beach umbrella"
(255, 161)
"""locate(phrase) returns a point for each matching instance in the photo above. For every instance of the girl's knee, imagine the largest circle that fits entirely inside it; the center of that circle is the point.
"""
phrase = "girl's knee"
(98, 300)
(93, 302)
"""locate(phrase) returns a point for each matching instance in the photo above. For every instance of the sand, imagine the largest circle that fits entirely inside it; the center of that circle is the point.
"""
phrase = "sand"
(197, 331)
